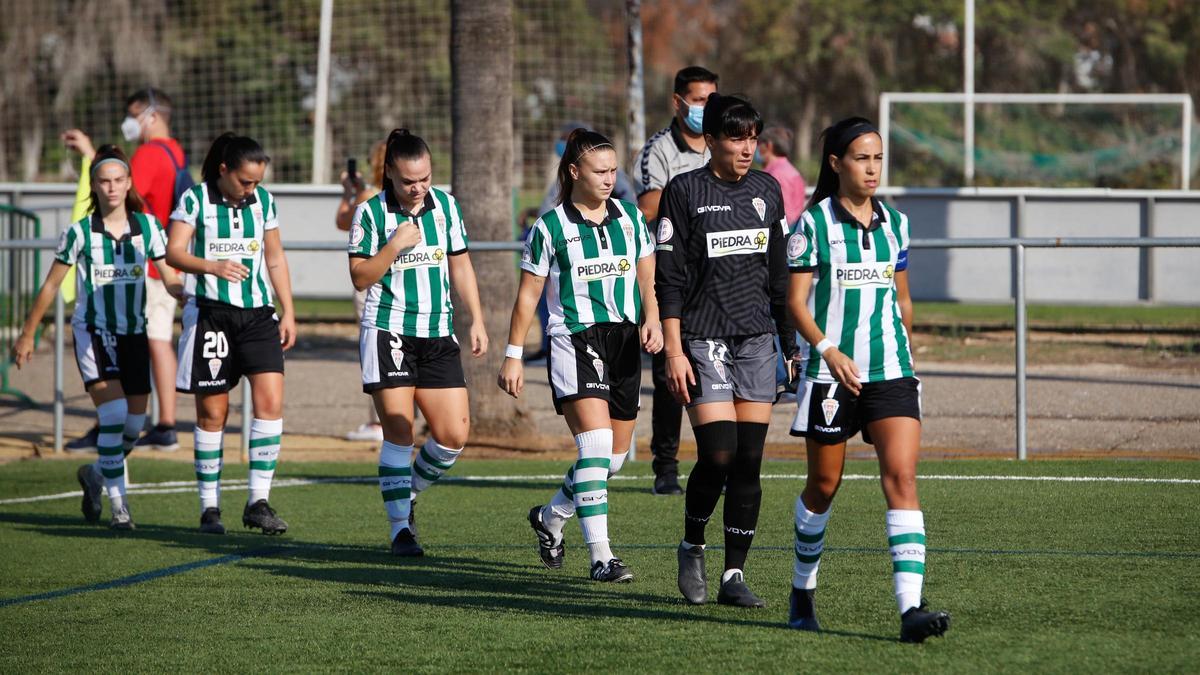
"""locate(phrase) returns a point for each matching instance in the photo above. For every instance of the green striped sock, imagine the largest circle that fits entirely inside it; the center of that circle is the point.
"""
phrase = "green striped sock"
(431, 463)
(208, 457)
(112, 455)
(906, 540)
(395, 483)
(265, 437)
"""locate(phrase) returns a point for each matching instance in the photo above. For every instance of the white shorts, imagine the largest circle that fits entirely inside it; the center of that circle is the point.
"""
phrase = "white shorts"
(360, 301)
(160, 311)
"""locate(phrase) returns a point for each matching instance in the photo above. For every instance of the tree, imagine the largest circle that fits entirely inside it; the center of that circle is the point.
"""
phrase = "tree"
(481, 71)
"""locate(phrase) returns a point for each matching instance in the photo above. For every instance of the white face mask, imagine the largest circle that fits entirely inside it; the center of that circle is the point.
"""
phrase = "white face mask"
(131, 127)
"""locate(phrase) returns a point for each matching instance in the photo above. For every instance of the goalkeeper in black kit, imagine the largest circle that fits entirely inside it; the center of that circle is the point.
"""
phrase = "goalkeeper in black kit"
(721, 282)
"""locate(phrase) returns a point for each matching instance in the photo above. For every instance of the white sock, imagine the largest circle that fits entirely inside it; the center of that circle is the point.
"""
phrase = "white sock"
(728, 574)
(265, 437)
(395, 482)
(562, 505)
(112, 416)
(809, 543)
(208, 457)
(906, 539)
(686, 544)
(591, 490)
(431, 463)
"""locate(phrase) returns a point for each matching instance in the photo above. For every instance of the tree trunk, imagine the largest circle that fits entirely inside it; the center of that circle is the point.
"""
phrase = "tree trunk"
(481, 69)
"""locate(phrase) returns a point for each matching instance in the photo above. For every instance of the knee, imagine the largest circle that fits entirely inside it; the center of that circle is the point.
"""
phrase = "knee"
(900, 486)
(397, 430)
(820, 491)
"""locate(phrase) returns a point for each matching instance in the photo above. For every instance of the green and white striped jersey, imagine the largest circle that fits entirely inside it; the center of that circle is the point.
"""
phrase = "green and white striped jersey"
(110, 280)
(853, 296)
(413, 298)
(225, 232)
(592, 268)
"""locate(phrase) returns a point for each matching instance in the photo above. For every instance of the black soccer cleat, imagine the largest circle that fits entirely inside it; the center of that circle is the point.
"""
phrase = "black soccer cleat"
(405, 545)
(550, 552)
(735, 592)
(919, 623)
(667, 484)
(412, 517)
(121, 520)
(693, 580)
(802, 614)
(210, 521)
(614, 572)
(261, 515)
(92, 483)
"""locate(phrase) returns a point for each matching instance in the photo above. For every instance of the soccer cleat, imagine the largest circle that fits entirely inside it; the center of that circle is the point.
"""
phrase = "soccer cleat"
(550, 552)
(405, 545)
(734, 591)
(121, 519)
(614, 572)
(161, 438)
(667, 484)
(261, 515)
(803, 614)
(366, 432)
(210, 521)
(86, 442)
(693, 580)
(92, 483)
(412, 517)
(918, 623)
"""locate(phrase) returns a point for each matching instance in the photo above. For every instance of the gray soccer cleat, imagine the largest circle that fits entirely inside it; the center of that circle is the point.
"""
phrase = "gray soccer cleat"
(734, 591)
(121, 519)
(92, 483)
(693, 580)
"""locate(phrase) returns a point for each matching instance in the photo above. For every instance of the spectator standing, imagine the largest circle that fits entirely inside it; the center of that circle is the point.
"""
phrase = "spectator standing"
(774, 152)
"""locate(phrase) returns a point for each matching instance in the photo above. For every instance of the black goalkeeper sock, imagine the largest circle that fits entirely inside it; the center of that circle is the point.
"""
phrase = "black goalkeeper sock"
(743, 493)
(716, 443)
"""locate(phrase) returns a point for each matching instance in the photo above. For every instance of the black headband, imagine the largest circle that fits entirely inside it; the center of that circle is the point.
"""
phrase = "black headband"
(847, 136)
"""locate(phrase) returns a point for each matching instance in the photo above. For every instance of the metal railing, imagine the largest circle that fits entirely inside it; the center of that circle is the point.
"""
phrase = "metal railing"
(1018, 246)
(20, 276)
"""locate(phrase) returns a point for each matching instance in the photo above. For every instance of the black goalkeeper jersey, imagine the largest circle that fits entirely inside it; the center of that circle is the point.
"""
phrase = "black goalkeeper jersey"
(721, 267)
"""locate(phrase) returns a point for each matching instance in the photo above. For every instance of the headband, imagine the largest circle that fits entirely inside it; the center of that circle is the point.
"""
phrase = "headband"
(109, 160)
(598, 146)
(847, 136)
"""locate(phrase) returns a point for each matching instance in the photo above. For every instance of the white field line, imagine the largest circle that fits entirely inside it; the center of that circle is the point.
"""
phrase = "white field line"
(179, 486)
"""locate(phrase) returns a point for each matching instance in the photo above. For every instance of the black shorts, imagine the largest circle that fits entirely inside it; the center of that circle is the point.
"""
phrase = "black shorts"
(101, 355)
(221, 343)
(833, 419)
(391, 360)
(603, 361)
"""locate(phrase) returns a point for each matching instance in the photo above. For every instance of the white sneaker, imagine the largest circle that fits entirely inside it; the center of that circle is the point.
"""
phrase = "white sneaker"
(366, 432)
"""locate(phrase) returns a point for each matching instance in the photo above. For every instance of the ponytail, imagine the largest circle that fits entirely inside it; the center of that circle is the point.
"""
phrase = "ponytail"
(579, 143)
(232, 151)
(401, 144)
(837, 140)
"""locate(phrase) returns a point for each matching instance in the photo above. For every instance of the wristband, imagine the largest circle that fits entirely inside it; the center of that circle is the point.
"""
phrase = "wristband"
(514, 352)
(823, 346)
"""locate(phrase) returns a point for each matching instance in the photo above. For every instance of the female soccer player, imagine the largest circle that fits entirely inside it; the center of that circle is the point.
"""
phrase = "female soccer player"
(597, 253)
(849, 297)
(112, 247)
(407, 245)
(225, 236)
(722, 285)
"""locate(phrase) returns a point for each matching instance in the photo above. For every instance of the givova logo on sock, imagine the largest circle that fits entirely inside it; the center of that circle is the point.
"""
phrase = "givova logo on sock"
(736, 242)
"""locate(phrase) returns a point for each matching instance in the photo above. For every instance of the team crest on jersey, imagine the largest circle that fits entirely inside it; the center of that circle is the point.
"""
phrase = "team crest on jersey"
(214, 367)
(829, 408)
(62, 242)
(356, 234)
(796, 244)
(665, 230)
(760, 207)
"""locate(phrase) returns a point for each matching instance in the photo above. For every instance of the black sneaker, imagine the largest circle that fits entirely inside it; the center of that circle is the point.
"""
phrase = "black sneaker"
(919, 623)
(261, 515)
(614, 572)
(92, 483)
(405, 545)
(693, 580)
(803, 614)
(210, 521)
(734, 591)
(121, 520)
(550, 552)
(161, 438)
(86, 442)
(667, 484)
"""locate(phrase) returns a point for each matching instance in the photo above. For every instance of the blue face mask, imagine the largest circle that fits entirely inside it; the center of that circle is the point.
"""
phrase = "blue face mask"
(695, 119)
(560, 146)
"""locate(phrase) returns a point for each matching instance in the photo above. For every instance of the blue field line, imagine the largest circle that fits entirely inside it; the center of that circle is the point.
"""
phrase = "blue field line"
(142, 577)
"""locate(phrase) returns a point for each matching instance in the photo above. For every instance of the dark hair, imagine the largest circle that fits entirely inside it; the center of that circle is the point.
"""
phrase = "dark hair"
(232, 151)
(579, 143)
(838, 138)
(780, 139)
(401, 144)
(151, 97)
(685, 77)
(133, 200)
(731, 117)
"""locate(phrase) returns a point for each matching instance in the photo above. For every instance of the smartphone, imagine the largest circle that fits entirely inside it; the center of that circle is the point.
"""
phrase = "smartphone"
(352, 168)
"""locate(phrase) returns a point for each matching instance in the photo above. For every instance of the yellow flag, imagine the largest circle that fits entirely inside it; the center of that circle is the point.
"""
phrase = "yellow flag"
(83, 196)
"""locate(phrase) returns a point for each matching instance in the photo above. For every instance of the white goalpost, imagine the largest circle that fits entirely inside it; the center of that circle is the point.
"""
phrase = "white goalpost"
(886, 99)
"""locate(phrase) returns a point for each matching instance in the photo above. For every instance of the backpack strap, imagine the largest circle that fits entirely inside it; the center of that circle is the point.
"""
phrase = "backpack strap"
(170, 154)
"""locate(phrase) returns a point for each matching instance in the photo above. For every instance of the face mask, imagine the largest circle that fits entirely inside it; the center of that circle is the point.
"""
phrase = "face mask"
(560, 146)
(131, 129)
(695, 118)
